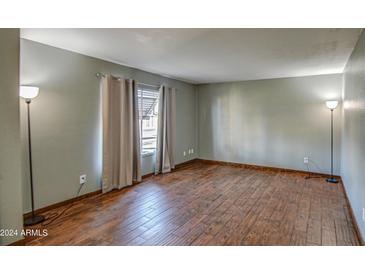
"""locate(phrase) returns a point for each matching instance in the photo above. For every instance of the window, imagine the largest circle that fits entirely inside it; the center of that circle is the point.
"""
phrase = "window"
(148, 117)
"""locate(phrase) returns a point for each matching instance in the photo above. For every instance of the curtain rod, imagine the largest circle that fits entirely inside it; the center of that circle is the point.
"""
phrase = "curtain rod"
(99, 75)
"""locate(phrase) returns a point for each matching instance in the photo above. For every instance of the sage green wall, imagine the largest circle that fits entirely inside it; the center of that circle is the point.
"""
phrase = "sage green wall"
(270, 122)
(10, 160)
(353, 135)
(66, 124)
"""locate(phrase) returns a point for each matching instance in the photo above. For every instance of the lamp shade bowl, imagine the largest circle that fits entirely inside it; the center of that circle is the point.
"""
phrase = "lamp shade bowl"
(28, 92)
(331, 104)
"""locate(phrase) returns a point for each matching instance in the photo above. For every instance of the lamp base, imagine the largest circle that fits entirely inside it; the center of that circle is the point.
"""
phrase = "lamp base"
(332, 180)
(33, 220)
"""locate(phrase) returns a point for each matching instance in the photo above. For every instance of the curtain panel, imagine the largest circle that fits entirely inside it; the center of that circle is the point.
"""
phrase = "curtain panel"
(121, 137)
(166, 132)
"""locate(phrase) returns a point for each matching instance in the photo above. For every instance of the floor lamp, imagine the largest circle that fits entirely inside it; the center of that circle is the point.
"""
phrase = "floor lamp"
(29, 93)
(332, 105)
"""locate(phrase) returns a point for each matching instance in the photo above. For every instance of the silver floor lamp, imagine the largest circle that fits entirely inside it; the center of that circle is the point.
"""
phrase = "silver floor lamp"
(29, 93)
(332, 106)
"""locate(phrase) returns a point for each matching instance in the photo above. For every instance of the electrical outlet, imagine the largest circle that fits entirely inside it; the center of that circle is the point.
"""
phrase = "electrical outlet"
(184, 153)
(363, 214)
(192, 151)
(82, 179)
(306, 160)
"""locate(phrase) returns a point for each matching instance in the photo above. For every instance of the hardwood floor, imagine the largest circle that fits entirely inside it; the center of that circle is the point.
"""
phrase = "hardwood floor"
(205, 204)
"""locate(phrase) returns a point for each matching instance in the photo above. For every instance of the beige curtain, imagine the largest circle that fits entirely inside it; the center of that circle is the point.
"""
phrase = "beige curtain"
(165, 152)
(121, 139)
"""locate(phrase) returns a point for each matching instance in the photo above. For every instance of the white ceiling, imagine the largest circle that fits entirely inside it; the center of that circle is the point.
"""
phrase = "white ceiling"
(211, 55)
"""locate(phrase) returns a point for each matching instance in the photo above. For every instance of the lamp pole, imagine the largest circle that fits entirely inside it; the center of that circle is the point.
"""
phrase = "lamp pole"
(30, 158)
(332, 179)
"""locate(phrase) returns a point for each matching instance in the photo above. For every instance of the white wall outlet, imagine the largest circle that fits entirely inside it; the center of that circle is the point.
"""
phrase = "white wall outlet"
(363, 214)
(184, 153)
(192, 151)
(306, 160)
(82, 179)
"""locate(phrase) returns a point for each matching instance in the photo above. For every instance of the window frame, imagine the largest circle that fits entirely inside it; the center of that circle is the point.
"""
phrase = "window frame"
(141, 88)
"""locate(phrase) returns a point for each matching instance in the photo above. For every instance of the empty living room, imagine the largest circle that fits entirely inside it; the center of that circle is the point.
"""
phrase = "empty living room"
(159, 144)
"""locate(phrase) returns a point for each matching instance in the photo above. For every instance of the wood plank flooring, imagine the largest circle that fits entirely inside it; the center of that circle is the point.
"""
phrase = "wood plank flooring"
(205, 204)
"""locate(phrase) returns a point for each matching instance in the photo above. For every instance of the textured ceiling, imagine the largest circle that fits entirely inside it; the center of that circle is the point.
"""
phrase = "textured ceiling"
(211, 55)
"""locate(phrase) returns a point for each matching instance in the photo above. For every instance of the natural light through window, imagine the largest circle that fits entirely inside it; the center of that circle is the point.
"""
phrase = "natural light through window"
(148, 118)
